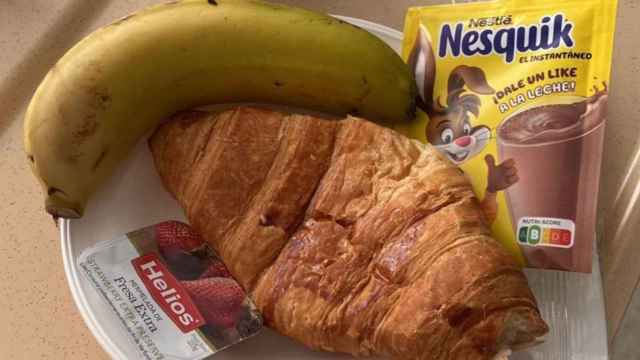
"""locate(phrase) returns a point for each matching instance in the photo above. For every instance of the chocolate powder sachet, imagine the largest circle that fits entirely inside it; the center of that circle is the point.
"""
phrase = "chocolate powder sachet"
(515, 92)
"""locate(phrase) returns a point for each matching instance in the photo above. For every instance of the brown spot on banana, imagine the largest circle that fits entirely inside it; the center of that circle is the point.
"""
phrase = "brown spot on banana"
(86, 130)
(104, 99)
(90, 124)
(53, 190)
(212, 2)
(99, 160)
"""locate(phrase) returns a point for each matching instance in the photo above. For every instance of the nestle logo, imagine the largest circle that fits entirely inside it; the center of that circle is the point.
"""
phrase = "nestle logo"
(491, 21)
(168, 293)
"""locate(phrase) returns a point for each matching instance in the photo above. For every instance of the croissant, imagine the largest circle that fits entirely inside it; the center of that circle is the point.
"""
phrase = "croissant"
(348, 236)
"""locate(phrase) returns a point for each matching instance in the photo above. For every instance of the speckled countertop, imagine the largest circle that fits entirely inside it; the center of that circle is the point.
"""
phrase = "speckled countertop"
(39, 318)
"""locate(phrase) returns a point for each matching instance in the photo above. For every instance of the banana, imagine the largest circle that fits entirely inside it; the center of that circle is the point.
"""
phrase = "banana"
(115, 85)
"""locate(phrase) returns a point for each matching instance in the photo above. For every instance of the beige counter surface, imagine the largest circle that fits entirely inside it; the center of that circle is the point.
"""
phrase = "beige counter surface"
(38, 314)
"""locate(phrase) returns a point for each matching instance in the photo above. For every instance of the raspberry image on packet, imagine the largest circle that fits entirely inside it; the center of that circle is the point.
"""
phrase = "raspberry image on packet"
(163, 282)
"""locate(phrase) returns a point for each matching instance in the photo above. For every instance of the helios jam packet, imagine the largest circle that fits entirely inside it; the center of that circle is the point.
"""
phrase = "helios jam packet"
(172, 295)
(515, 92)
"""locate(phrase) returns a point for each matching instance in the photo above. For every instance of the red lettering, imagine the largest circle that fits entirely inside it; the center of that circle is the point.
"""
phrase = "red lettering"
(167, 292)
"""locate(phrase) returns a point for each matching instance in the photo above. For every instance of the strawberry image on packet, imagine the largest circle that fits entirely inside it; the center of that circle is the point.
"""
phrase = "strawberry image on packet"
(170, 292)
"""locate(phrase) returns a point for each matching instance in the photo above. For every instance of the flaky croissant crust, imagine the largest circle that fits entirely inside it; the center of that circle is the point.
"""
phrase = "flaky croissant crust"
(348, 236)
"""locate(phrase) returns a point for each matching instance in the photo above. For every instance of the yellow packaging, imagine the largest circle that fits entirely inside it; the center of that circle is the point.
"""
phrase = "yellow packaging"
(515, 92)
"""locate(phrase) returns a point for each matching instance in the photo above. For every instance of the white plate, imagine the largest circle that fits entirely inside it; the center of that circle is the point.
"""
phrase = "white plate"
(134, 198)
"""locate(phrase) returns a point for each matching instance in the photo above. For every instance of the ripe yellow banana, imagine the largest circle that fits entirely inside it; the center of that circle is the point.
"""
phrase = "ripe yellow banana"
(115, 85)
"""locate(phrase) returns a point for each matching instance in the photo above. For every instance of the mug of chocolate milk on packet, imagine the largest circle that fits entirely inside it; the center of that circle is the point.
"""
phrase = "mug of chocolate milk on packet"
(515, 92)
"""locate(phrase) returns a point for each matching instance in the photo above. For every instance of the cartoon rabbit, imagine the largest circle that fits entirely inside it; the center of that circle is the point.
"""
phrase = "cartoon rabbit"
(449, 128)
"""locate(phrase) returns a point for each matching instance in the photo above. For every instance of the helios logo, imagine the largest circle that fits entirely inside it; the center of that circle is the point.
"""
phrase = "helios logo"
(167, 292)
(551, 32)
